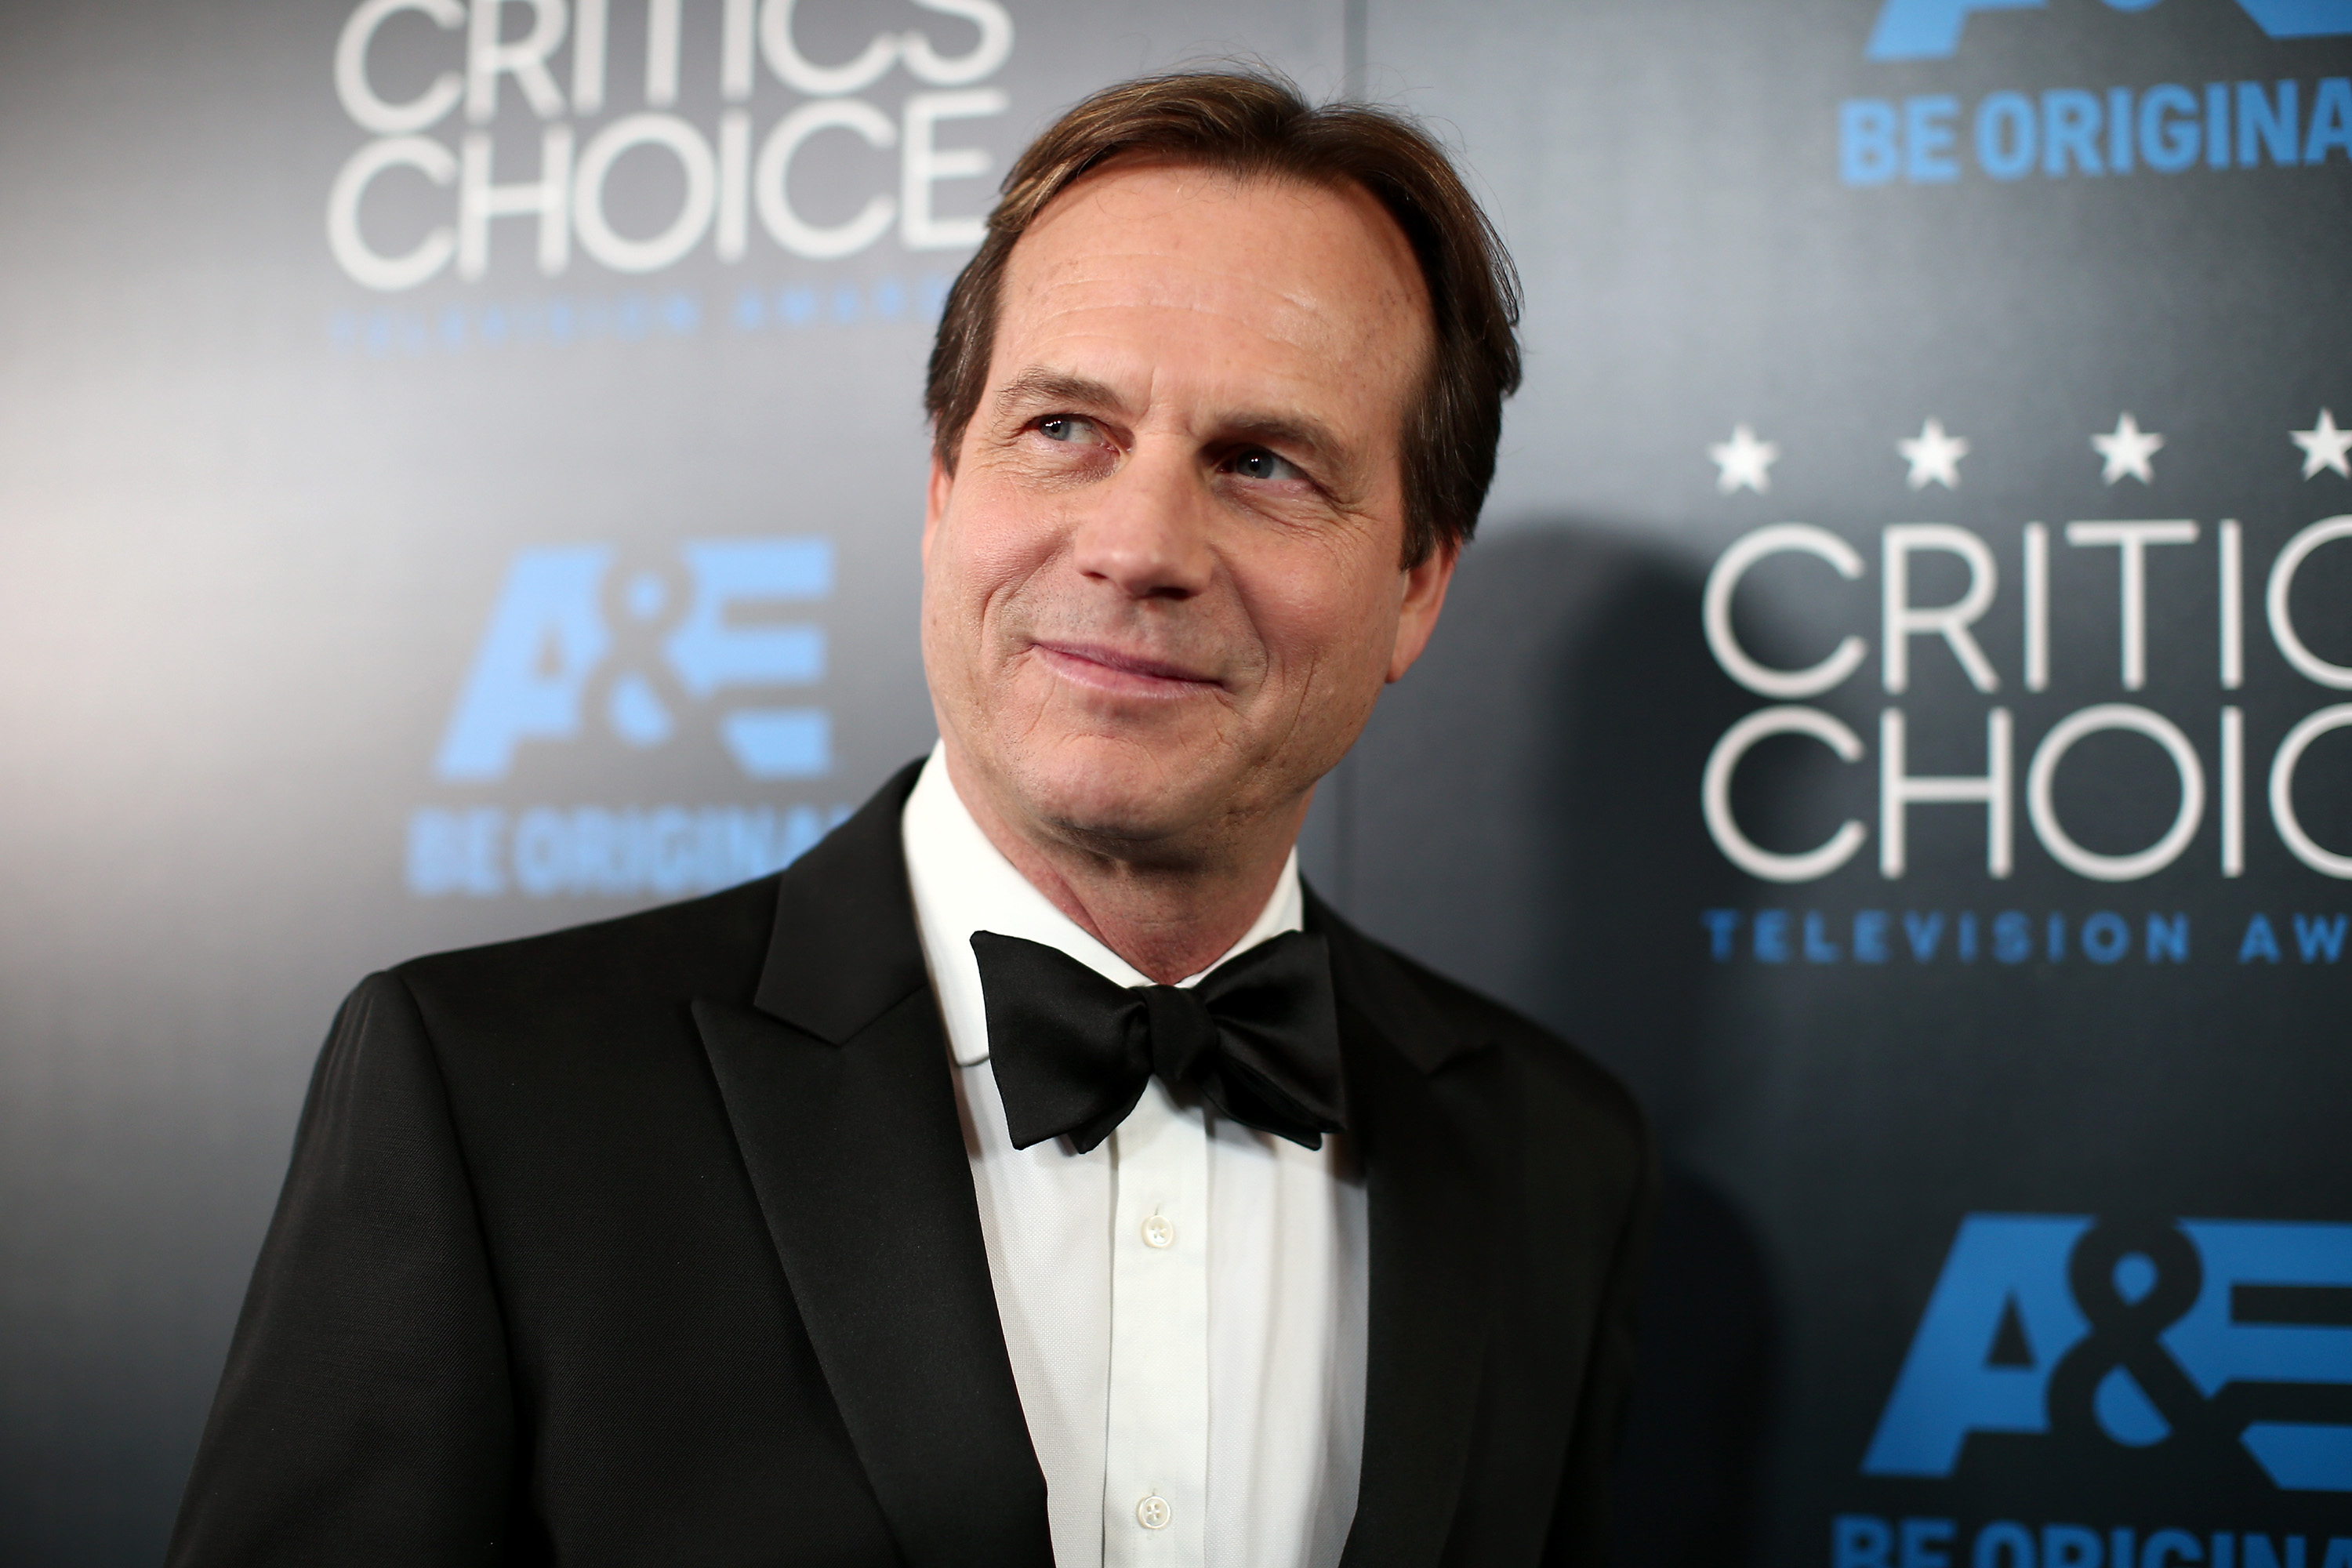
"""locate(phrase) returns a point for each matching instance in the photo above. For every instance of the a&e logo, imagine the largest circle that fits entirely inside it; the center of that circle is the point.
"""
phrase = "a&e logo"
(549, 635)
(2204, 1340)
(578, 646)
(2164, 127)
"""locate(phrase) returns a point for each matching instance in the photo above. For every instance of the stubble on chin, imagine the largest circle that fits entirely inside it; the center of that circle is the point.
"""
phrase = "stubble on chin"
(1135, 788)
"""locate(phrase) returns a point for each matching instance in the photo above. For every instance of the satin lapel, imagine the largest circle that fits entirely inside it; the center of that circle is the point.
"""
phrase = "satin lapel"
(838, 1089)
(1433, 1130)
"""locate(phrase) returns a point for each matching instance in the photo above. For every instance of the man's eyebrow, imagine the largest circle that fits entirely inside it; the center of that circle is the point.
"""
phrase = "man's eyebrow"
(1040, 384)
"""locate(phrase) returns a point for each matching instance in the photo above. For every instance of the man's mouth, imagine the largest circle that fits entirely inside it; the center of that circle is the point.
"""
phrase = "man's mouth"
(1120, 673)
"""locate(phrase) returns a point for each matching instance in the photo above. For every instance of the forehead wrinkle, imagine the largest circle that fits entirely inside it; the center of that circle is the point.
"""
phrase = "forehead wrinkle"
(1306, 367)
(1152, 251)
(1125, 183)
(1224, 287)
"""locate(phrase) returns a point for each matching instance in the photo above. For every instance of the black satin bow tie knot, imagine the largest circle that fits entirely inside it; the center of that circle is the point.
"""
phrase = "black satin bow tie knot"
(1258, 1038)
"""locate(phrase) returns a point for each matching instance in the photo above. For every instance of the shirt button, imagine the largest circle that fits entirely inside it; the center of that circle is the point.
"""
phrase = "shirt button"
(1152, 1512)
(1159, 1231)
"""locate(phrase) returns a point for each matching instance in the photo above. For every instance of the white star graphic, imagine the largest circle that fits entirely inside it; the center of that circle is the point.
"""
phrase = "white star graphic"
(2325, 447)
(1744, 461)
(1935, 458)
(2126, 451)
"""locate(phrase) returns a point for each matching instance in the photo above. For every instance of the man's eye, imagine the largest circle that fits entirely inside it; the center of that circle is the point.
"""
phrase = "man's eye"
(1257, 463)
(1068, 427)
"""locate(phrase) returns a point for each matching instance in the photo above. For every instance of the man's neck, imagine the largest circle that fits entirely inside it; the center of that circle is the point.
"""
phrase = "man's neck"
(1170, 918)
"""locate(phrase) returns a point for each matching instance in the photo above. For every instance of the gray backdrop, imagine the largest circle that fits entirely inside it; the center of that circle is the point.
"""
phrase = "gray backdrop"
(376, 578)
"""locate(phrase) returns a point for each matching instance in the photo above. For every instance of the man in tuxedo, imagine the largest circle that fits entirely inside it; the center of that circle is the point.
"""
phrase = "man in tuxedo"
(1035, 1172)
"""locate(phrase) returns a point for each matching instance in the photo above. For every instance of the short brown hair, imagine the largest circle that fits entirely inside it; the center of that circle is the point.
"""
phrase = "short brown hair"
(1251, 124)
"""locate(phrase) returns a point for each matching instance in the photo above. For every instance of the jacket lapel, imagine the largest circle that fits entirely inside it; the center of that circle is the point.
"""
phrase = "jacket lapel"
(1432, 1139)
(837, 1083)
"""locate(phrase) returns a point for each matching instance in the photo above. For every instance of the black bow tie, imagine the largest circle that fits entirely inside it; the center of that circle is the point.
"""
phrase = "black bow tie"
(1258, 1037)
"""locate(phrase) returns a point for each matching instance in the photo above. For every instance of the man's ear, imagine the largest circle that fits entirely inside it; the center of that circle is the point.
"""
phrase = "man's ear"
(935, 502)
(1425, 596)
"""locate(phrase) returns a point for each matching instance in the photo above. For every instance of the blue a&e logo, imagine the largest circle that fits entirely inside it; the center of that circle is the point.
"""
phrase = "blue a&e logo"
(547, 637)
(2206, 1332)
(2062, 133)
(575, 648)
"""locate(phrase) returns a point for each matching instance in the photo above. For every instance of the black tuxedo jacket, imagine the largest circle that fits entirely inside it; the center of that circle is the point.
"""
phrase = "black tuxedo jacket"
(654, 1242)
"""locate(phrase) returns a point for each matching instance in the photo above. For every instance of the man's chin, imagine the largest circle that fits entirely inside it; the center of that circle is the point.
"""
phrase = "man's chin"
(1107, 791)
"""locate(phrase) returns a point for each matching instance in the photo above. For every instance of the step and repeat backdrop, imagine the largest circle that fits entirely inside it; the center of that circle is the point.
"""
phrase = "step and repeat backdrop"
(460, 469)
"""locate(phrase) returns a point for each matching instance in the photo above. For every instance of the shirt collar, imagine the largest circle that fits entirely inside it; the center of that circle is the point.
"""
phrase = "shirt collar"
(962, 883)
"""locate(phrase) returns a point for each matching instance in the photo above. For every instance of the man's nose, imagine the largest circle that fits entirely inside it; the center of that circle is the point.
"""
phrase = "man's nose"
(1147, 531)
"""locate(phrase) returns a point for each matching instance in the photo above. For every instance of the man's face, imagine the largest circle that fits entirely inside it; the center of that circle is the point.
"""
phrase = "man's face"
(1162, 587)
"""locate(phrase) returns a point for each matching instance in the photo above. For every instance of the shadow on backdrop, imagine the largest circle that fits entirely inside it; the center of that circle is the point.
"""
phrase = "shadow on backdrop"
(1523, 814)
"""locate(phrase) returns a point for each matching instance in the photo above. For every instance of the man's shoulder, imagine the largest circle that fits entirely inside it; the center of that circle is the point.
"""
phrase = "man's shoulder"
(710, 946)
(1540, 1056)
(822, 922)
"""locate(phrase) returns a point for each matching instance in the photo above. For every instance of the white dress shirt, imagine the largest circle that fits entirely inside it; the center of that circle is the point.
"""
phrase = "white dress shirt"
(1184, 1306)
